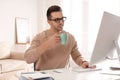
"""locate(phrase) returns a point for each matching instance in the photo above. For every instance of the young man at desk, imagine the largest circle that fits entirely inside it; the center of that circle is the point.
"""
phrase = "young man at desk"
(46, 50)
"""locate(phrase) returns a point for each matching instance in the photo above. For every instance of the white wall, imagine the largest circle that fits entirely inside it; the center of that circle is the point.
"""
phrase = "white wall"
(9, 9)
(34, 10)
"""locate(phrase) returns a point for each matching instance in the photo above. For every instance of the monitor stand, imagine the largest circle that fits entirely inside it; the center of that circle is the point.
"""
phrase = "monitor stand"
(116, 67)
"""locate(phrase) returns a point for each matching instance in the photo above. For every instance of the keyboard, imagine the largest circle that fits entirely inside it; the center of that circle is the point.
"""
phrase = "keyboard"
(85, 69)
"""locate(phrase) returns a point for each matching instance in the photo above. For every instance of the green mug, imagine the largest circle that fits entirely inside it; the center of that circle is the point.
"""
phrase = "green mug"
(63, 38)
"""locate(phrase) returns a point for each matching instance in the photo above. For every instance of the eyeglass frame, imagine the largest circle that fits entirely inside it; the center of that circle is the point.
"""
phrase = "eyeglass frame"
(57, 20)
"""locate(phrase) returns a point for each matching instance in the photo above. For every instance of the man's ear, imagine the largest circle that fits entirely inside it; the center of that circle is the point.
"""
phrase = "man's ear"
(48, 21)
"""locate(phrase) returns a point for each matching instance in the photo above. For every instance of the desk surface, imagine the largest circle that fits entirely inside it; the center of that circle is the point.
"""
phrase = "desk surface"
(70, 74)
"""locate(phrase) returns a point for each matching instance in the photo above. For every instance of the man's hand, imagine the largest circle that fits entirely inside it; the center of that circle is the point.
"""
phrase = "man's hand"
(53, 40)
(86, 65)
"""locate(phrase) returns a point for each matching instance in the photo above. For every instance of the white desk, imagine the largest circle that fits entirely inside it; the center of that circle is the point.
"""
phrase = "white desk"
(69, 74)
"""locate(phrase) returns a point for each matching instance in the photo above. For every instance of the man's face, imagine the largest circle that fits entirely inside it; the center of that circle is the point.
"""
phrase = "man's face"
(57, 21)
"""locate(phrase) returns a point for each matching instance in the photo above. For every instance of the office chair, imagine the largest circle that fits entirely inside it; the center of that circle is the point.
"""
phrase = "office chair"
(34, 65)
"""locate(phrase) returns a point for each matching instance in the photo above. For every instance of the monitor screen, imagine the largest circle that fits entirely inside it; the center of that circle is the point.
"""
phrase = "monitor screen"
(108, 32)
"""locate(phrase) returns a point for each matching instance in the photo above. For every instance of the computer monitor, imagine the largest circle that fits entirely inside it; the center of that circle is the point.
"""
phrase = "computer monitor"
(107, 38)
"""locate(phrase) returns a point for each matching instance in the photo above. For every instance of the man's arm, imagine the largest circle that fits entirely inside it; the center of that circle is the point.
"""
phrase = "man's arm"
(35, 50)
(38, 48)
(77, 57)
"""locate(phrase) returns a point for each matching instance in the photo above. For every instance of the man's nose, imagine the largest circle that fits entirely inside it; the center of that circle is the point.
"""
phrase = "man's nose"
(61, 21)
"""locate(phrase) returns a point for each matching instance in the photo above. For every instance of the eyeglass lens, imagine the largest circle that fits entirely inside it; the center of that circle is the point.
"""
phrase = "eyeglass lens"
(59, 19)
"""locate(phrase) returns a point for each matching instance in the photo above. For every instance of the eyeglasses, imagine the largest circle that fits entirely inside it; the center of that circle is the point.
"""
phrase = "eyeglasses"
(57, 20)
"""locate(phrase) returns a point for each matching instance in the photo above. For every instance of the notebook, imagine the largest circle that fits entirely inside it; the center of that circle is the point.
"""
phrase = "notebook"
(36, 76)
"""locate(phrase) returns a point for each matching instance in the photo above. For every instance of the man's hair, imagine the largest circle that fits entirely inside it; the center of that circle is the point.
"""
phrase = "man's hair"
(54, 8)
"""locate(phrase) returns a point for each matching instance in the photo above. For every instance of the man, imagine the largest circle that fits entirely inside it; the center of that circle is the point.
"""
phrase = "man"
(46, 50)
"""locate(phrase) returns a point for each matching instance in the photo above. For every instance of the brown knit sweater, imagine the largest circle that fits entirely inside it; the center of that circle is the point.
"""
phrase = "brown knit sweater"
(55, 57)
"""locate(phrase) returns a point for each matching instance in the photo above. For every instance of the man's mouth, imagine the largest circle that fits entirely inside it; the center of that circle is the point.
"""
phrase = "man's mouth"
(60, 27)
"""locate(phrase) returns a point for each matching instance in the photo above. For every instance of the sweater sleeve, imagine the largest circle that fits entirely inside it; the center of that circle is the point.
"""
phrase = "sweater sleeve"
(31, 54)
(75, 53)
